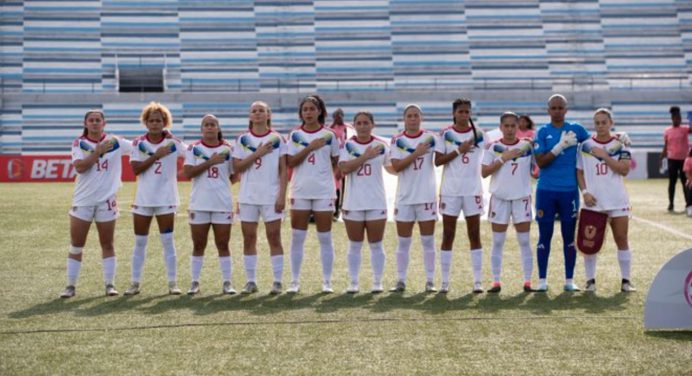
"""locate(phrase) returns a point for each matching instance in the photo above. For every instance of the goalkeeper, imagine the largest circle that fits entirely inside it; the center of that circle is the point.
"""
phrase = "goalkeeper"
(557, 191)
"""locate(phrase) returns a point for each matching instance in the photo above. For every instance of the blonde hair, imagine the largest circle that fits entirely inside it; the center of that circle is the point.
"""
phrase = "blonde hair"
(269, 111)
(152, 107)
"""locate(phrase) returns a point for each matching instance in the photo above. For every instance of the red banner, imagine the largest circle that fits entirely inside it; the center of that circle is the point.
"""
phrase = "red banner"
(52, 168)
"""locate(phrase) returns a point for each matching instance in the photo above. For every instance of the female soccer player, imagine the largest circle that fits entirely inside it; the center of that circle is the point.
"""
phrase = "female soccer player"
(154, 160)
(602, 162)
(460, 152)
(209, 166)
(312, 153)
(260, 155)
(412, 158)
(508, 163)
(365, 204)
(687, 168)
(97, 158)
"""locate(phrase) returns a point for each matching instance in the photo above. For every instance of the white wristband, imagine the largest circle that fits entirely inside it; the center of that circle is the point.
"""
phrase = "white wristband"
(584, 192)
(457, 151)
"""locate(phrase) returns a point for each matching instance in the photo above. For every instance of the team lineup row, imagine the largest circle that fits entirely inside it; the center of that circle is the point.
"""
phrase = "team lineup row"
(572, 163)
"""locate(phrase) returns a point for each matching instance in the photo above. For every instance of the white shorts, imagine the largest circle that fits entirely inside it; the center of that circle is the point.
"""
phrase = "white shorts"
(252, 213)
(500, 211)
(318, 204)
(152, 211)
(417, 212)
(453, 205)
(624, 212)
(104, 212)
(364, 215)
(199, 217)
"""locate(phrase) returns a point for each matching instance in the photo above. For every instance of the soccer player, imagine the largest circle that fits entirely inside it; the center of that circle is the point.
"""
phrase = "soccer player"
(313, 151)
(687, 168)
(365, 205)
(556, 154)
(208, 164)
(343, 132)
(97, 158)
(412, 158)
(460, 151)
(260, 155)
(508, 163)
(154, 160)
(602, 162)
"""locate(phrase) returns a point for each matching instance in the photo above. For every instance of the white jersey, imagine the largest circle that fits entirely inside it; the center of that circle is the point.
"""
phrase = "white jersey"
(513, 180)
(102, 180)
(416, 183)
(313, 178)
(365, 186)
(259, 184)
(211, 190)
(462, 175)
(603, 183)
(158, 185)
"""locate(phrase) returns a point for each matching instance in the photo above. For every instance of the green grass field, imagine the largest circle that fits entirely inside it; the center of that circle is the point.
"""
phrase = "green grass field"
(311, 333)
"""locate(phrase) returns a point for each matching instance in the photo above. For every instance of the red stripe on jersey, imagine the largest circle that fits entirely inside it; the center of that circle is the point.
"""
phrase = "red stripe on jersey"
(603, 142)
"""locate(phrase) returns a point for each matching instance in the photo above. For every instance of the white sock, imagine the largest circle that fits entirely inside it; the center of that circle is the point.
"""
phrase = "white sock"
(496, 254)
(169, 256)
(297, 244)
(590, 266)
(477, 264)
(402, 255)
(139, 254)
(428, 243)
(225, 264)
(278, 267)
(196, 263)
(377, 259)
(327, 253)
(524, 241)
(625, 261)
(109, 265)
(445, 264)
(569, 281)
(250, 267)
(73, 267)
(354, 260)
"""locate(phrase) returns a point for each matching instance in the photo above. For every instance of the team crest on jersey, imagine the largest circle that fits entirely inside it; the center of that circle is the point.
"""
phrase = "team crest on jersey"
(299, 140)
(148, 150)
(199, 153)
(246, 142)
(403, 145)
(351, 149)
(450, 138)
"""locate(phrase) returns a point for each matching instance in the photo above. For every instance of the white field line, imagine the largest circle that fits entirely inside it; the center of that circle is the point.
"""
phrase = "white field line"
(663, 227)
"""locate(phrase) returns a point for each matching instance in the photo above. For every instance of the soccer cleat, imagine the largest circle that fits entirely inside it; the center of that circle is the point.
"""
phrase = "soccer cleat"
(110, 290)
(194, 288)
(133, 289)
(276, 288)
(444, 288)
(542, 287)
(497, 287)
(227, 288)
(376, 288)
(399, 287)
(627, 286)
(293, 288)
(527, 286)
(571, 287)
(173, 288)
(590, 285)
(352, 288)
(430, 287)
(68, 292)
(327, 287)
(671, 208)
(249, 288)
(477, 287)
